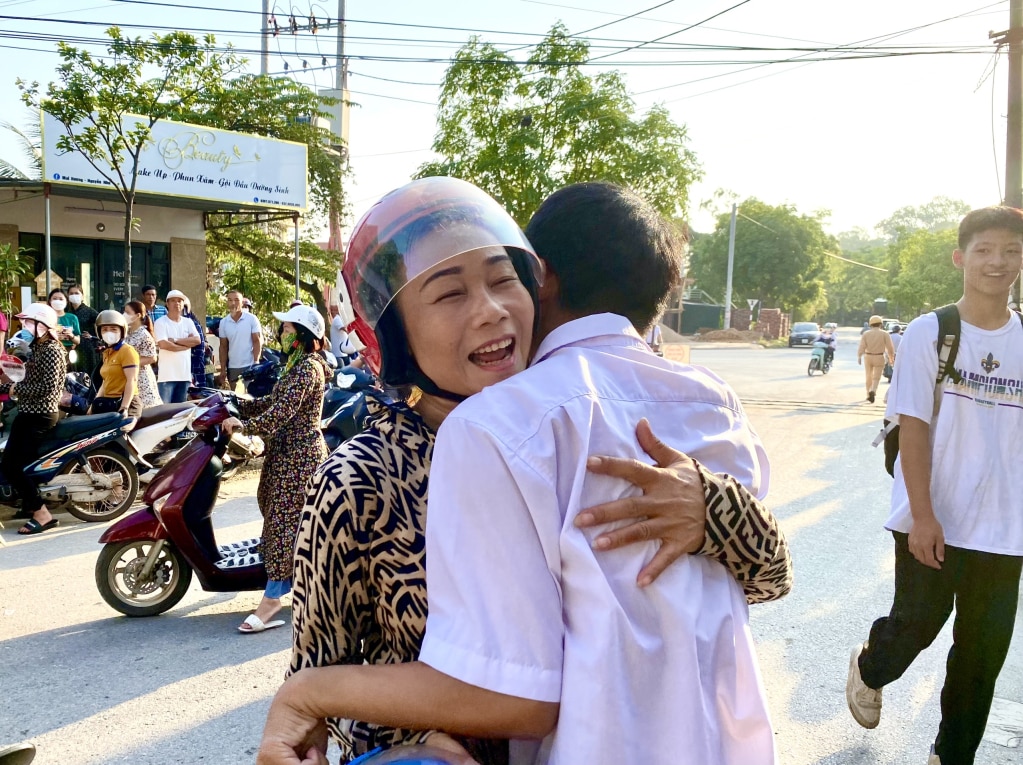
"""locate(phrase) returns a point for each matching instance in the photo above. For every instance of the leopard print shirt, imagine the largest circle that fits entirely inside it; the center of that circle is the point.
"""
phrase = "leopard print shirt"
(359, 589)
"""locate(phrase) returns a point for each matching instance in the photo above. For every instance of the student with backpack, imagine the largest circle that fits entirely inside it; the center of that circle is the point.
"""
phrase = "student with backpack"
(956, 504)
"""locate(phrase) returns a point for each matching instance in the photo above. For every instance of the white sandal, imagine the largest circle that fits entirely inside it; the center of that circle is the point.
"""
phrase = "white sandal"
(253, 623)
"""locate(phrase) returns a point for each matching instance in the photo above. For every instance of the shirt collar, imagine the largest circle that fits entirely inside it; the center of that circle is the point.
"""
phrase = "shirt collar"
(611, 328)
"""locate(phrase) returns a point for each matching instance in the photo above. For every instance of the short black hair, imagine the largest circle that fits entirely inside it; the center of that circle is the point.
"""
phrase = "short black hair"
(55, 291)
(987, 218)
(610, 249)
(148, 287)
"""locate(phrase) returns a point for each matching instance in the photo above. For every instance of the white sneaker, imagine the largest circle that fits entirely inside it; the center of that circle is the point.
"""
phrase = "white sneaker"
(864, 702)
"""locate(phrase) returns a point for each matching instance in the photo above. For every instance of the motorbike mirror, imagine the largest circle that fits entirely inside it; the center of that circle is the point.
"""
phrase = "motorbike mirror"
(72, 356)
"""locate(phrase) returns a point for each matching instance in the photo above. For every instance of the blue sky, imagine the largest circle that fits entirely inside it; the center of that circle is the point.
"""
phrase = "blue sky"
(860, 138)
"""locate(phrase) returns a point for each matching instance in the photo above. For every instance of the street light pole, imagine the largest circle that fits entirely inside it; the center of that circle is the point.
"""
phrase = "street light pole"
(1014, 124)
(731, 261)
(264, 58)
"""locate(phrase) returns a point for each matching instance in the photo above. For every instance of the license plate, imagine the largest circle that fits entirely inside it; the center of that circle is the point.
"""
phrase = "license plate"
(804, 341)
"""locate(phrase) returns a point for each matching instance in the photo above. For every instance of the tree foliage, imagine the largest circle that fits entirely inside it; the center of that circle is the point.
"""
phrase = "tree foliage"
(779, 258)
(850, 288)
(926, 277)
(521, 132)
(94, 98)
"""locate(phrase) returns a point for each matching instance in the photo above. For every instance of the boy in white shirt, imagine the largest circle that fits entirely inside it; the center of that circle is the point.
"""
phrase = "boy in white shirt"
(957, 502)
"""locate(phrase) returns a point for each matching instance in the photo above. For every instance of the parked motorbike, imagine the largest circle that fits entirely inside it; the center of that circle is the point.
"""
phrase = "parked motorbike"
(87, 467)
(344, 405)
(149, 557)
(242, 449)
(819, 361)
(160, 432)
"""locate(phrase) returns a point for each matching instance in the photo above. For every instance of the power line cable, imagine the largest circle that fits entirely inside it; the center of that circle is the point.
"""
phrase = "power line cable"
(878, 38)
(672, 34)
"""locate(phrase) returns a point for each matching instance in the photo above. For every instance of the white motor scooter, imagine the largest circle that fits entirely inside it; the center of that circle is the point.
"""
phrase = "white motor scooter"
(156, 434)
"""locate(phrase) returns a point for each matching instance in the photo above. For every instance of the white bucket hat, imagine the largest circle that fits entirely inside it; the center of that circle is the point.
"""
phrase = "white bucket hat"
(305, 316)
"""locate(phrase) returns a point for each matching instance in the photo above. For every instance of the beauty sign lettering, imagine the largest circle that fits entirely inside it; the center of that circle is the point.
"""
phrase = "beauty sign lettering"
(195, 162)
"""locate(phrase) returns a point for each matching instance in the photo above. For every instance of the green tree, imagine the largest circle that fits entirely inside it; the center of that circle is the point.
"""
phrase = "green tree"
(850, 288)
(13, 269)
(926, 277)
(779, 258)
(937, 215)
(522, 131)
(92, 97)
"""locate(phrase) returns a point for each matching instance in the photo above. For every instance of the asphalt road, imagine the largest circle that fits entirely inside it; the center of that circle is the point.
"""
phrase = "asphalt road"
(87, 685)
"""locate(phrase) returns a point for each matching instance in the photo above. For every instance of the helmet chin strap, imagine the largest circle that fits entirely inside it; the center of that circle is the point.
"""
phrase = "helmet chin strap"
(426, 385)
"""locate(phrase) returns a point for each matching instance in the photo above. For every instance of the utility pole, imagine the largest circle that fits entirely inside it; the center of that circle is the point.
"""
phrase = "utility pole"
(341, 76)
(264, 58)
(731, 261)
(1014, 125)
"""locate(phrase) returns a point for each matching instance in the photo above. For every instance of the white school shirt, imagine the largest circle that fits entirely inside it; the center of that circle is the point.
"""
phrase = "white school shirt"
(976, 480)
(175, 366)
(239, 339)
(519, 602)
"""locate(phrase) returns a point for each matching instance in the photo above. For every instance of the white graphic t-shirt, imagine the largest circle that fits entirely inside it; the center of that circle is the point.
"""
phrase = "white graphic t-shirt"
(976, 465)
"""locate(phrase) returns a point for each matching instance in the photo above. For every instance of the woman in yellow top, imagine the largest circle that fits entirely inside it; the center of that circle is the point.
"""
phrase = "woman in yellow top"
(120, 371)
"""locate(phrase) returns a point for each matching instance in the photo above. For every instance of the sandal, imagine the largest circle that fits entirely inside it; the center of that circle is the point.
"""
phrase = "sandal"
(35, 527)
(253, 623)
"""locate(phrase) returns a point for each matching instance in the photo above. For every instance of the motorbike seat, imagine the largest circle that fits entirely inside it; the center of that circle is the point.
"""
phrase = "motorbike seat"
(154, 414)
(72, 429)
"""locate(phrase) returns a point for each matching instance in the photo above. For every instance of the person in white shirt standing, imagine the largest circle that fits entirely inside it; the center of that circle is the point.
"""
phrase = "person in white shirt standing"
(956, 512)
(176, 336)
(526, 620)
(241, 340)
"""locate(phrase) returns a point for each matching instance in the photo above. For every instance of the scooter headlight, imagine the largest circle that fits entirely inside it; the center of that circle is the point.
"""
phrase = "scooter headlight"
(158, 504)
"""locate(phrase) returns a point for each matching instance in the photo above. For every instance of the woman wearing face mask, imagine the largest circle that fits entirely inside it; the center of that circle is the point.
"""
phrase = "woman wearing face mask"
(289, 420)
(140, 337)
(70, 332)
(120, 370)
(88, 353)
(38, 396)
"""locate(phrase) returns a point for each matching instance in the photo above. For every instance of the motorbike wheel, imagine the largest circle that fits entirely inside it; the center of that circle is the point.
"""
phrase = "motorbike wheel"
(811, 366)
(117, 577)
(120, 499)
(826, 368)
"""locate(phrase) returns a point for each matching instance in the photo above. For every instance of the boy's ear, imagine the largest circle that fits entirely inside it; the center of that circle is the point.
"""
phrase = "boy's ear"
(550, 290)
(957, 258)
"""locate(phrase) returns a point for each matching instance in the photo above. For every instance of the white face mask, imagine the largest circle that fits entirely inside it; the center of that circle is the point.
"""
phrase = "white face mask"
(111, 338)
(75, 298)
(58, 304)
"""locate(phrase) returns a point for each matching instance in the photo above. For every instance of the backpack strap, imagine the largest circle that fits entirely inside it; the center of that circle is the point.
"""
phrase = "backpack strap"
(949, 330)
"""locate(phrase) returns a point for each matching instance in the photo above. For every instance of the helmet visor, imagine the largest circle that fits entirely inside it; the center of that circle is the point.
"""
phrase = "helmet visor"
(415, 229)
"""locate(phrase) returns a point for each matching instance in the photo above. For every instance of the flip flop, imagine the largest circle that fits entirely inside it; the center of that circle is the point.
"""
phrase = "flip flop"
(253, 623)
(35, 527)
(17, 754)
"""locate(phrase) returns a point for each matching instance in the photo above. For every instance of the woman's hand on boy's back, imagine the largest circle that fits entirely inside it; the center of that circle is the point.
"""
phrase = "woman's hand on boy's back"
(672, 507)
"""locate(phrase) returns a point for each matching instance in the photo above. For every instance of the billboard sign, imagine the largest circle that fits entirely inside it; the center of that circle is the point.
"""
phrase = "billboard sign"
(195, 162)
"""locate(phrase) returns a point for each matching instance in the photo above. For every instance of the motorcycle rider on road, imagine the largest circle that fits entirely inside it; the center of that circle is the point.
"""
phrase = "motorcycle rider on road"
(827, 336)
(38, 396)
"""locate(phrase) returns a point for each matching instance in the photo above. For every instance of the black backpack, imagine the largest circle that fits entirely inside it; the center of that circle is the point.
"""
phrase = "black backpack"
(949, 329)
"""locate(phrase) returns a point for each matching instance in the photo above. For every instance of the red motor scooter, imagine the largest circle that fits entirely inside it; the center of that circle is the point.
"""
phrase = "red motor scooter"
(148, 557)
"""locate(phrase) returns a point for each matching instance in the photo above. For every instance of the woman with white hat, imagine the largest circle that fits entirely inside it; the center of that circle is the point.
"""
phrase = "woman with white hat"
(38, 396)
(289, 420)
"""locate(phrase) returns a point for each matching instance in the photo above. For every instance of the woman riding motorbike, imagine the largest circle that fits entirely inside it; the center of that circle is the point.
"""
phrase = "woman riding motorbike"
(289, 420)
(38, 396)
(120, 371)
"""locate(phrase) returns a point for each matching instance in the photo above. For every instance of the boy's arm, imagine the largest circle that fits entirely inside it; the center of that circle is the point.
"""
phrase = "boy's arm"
(926, 537)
